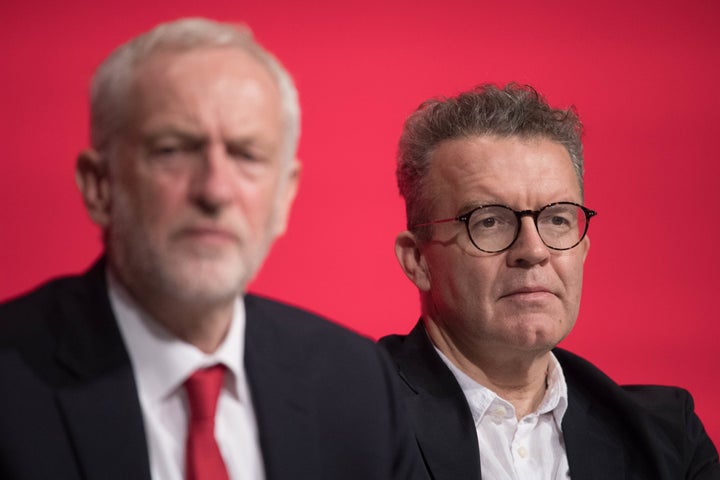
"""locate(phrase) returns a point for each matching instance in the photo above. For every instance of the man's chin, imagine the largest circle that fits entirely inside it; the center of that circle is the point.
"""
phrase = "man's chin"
(206, 282)
(538, 332)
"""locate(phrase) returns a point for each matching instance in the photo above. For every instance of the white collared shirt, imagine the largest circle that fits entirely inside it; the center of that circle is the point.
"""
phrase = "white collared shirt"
(161, 363)
(529, 449)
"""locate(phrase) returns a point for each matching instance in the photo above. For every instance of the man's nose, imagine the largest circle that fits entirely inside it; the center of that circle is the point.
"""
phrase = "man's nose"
(211, 185)
(528, 248)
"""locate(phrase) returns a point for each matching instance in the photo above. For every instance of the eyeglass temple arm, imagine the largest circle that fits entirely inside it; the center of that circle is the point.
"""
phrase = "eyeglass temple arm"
(444, 220)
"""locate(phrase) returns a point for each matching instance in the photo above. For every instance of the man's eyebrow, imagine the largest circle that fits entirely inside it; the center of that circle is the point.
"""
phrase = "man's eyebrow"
(241, 141)
(173, 132)
(189, 136)
(472, 205)
(250, 142)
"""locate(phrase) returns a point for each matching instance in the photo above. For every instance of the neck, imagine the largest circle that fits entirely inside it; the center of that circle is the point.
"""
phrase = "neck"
(520, 377)
(204, 328)
(204, 325)
(200, 321)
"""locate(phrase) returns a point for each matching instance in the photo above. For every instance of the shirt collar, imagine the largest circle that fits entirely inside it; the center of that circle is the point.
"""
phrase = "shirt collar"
(480, 398)
(556, 396)
(161, 361)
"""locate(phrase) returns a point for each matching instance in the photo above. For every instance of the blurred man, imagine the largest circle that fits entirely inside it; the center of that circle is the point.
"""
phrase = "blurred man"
(154, 364)
(496, 241)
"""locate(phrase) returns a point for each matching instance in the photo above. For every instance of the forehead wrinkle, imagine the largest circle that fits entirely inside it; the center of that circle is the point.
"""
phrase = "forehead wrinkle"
(480, 171)
(452, 183)
(166, 97)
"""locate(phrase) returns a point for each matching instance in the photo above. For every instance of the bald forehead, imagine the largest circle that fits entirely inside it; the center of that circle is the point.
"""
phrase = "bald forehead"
(172, 65)
(220, 82)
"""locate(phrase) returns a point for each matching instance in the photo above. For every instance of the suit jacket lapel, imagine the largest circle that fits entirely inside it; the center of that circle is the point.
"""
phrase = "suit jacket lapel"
(101, 407)
(105, 423)
(281, 398)
(442, 420)
(593, 452)
(592, 455)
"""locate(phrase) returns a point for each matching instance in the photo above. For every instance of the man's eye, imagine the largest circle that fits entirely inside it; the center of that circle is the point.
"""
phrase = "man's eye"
(243, 155)
(488, 222)
(558, 219)
(165, 150)
(173, 156)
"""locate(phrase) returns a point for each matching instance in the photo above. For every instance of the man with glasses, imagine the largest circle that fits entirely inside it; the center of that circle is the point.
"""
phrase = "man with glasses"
(497, 237)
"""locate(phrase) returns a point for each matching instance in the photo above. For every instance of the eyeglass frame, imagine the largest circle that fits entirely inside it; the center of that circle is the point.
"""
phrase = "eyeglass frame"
(535, 214)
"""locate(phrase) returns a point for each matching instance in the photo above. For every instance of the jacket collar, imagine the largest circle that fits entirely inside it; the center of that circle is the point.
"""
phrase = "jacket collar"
(100, 405)
(281, 396)
(437, 407)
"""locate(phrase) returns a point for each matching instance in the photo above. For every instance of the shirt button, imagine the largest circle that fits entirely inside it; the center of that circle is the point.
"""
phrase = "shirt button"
(498, 414)
(522, 451)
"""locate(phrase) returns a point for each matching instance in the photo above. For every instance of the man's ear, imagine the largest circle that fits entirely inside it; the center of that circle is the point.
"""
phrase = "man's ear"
(286, 196)
(91, 177)
(412, 260)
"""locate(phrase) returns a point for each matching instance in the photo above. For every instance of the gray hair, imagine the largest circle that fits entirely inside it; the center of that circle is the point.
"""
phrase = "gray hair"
(512, 111)
(114, 76)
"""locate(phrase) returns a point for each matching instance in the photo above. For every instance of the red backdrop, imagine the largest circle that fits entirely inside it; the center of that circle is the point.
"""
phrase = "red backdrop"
(643, 75)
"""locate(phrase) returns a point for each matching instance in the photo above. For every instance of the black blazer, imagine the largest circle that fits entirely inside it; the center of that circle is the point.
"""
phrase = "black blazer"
(324, 397)
(610, 432)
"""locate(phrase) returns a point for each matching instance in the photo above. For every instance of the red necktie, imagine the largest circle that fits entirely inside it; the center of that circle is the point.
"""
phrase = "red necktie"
(203, 460)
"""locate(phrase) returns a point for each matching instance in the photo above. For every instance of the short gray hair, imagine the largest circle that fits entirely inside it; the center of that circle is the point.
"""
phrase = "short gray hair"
(512, 111)
(114, 76)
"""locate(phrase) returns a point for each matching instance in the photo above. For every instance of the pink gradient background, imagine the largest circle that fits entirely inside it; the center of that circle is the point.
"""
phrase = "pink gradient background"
(644, 76)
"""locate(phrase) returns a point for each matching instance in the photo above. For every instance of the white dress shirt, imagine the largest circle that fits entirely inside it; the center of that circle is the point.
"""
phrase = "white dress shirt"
(161, 363)
(529, 449)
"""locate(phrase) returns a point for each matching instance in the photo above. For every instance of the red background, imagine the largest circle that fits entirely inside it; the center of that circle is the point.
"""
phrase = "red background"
(644, 76)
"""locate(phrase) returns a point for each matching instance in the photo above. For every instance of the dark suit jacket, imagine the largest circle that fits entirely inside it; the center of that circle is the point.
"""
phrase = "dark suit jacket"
(324, 397)
(610, 432)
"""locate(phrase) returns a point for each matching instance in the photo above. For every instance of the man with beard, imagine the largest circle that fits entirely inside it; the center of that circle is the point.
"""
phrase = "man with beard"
(155, 364)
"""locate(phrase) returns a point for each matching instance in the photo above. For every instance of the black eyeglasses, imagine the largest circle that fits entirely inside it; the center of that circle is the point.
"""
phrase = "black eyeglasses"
(495, 228)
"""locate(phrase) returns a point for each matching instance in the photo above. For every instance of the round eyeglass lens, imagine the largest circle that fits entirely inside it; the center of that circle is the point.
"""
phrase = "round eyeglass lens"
(492, 228)
(561, 226)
